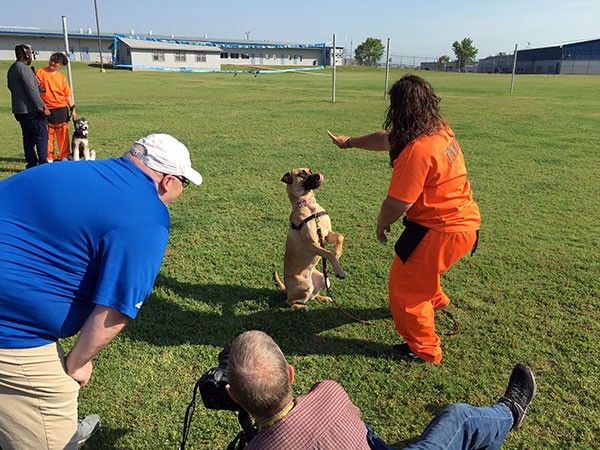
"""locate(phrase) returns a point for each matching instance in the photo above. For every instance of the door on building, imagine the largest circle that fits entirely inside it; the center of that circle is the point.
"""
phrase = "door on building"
(283, 60)
(85, 53)
(252, 58)
(295, 60)
(71, 53)
(261, 58)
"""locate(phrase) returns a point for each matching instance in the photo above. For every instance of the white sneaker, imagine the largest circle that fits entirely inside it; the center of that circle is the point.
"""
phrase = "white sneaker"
(50, 160)
(86, 427)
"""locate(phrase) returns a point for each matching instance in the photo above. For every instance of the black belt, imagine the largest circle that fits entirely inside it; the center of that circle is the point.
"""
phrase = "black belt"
(308, 219)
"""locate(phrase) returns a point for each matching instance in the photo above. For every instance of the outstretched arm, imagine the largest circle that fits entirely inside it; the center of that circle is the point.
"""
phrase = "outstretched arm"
(99, 329)
(377, 141)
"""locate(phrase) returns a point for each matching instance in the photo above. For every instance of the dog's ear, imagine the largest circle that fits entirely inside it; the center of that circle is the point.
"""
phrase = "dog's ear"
(287, 178)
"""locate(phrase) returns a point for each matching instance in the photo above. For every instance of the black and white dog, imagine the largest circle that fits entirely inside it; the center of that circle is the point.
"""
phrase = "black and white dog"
(79, 145)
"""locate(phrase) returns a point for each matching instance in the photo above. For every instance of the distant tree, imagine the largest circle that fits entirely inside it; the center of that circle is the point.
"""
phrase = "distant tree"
(443, 61)
(369, 52)
(465, 51)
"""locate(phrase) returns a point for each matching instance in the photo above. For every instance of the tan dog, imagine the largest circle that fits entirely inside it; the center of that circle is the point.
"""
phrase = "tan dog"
(302, 249)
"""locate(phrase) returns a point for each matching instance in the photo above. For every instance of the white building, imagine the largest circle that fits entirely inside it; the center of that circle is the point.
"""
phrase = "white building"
(143, 52)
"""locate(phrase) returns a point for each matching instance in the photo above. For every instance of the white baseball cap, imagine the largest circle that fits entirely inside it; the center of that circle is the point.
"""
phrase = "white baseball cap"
(167, 155)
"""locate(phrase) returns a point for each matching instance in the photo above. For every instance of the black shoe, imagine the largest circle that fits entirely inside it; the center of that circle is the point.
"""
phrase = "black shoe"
(521, 390)
(403, 351)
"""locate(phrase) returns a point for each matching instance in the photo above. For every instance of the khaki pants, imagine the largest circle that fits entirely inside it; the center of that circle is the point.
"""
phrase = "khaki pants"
(38, 400)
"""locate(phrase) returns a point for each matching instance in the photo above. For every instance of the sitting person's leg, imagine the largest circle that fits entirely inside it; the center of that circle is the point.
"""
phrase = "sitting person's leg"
(467, 427)
(462, 426)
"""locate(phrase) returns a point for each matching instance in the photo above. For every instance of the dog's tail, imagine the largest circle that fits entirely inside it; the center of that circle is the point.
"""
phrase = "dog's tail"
(278, 281)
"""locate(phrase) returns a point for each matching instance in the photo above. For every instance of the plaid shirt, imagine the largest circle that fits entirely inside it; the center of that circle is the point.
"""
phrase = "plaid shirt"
(323, 419)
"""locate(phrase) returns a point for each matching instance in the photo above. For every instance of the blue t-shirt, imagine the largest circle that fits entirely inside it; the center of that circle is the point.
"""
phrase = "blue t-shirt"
(74, 235)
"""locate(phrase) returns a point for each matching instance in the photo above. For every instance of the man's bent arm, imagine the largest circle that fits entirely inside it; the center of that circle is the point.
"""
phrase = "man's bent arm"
(99, 329)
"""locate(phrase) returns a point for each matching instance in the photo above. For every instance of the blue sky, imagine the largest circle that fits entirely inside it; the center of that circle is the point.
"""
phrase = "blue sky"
(416, 28)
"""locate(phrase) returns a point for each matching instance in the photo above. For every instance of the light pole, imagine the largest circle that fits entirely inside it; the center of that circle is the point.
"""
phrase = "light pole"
(247, 34)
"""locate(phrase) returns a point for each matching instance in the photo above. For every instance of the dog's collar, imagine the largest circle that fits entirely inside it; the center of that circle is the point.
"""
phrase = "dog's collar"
(304, 202)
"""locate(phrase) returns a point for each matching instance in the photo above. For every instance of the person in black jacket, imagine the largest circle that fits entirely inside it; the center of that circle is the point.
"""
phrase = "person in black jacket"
(28, 107)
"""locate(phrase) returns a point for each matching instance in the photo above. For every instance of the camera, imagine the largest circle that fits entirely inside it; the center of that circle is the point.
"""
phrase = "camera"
(212, 386)
(214, 396)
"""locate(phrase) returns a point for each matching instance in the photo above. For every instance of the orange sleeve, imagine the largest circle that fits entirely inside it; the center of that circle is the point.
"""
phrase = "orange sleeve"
(410, 173)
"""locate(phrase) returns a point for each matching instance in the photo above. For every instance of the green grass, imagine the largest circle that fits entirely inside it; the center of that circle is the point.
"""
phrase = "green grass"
(530, 294)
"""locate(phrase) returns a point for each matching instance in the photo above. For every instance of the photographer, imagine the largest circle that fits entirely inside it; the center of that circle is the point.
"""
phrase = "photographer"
(260, 381)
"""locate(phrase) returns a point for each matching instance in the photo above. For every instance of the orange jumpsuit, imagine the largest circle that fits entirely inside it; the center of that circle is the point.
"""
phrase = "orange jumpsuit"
(430, 173)
(57, 90)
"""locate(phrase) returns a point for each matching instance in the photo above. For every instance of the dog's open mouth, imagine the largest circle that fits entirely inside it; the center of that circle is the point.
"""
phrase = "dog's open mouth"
(313, 181)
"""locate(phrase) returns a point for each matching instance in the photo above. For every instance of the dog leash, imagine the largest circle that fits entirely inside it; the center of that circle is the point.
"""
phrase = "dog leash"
(326, 277)
(367, 322)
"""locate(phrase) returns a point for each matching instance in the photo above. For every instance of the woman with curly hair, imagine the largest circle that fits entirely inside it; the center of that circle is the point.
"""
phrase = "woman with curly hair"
(429, 183)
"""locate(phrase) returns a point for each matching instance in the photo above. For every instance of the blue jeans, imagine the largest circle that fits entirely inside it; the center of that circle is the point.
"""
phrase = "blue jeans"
(35, 135)
(459, 426)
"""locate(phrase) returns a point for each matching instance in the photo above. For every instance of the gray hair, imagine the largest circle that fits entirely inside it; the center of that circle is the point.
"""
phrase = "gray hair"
(258, 373)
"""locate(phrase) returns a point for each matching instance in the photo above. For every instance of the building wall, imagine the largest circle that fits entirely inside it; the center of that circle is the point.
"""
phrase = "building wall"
(580, 66)
(272, 56)
(83, 48)
(144, 57)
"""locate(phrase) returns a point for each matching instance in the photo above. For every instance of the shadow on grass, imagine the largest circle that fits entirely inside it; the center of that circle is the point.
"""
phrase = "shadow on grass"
(104, 438)
(162, 322)
(15, 160)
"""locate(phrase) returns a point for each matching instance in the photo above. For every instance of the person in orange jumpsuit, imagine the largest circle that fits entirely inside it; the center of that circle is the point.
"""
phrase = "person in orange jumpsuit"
(58, 97)
(429, 183)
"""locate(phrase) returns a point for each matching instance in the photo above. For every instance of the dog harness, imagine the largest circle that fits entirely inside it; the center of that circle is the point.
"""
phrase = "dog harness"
(308, 219)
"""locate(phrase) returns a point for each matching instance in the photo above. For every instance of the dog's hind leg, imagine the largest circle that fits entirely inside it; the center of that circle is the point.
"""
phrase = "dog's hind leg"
(318, 281)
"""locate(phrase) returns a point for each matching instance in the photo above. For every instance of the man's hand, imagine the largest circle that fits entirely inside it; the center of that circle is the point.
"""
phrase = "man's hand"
(80, 374)
(341, 141)
(380, 232)
(46, 111)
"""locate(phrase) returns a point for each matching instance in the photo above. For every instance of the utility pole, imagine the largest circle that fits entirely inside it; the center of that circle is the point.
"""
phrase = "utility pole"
(247, 35)
(387, 69)
(99, 43)
(333, 78)
(66, 35)
(512, 80)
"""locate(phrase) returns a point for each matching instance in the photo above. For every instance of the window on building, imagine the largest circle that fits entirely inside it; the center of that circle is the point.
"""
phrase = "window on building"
(245, 56)
(200, 57)
(179, 56)
(300, 57)
(224, 55)
(290, 57)
(235, 56)
(158, 55)
(267, 56)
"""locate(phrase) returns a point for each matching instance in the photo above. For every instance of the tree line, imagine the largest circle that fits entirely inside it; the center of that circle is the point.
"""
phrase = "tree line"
(369, 53)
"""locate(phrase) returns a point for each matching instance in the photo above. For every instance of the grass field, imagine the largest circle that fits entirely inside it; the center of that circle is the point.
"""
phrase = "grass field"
(531, 293)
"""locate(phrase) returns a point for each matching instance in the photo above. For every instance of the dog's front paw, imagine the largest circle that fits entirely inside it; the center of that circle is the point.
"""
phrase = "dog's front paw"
(340, 274)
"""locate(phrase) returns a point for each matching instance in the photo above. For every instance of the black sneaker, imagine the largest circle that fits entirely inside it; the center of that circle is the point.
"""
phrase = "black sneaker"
(521, 390)
(403, 351)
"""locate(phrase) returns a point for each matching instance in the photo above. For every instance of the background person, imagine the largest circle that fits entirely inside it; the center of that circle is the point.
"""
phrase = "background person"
(93, 276)
(325, 418)
(58, 97)
(28, 107)
(429, 183)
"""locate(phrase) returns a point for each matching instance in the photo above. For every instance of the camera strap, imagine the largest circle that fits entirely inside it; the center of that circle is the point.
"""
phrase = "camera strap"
(269, 423)
(189, 414)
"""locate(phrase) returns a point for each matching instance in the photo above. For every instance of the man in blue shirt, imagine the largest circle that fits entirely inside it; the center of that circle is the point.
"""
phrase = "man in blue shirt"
(93, 274)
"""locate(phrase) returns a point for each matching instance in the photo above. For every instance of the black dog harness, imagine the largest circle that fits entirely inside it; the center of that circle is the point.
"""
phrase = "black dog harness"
(308, 219)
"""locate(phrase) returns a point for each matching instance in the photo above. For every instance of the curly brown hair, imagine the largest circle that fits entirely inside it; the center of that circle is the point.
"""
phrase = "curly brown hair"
(59, 58)
(414, 111)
